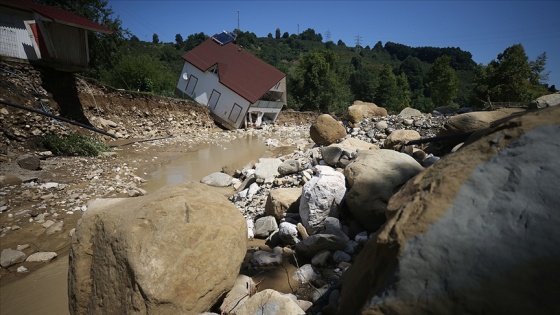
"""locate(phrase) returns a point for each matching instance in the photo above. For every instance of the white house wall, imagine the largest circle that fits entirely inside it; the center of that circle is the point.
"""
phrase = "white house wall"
(15, 41)
(207, 82)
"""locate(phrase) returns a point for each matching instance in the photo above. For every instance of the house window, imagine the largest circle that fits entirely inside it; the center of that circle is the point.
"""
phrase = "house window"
(191, 85)
(235, 111)
(214, 97)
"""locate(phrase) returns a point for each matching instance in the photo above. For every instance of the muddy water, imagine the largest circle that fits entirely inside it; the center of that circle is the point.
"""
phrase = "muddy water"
(193, 166)
(44, 292)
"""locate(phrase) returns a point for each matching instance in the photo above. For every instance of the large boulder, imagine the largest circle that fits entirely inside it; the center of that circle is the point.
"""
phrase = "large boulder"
(409, 112)
(401, 136)
(326, 130)
(373, 177)
(321, 197)
(472, 122)
(360, 110)
(476, 233)
(546, 101)
(176, 251)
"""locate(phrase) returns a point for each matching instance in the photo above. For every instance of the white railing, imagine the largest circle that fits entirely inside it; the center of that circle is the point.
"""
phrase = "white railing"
(267, 104)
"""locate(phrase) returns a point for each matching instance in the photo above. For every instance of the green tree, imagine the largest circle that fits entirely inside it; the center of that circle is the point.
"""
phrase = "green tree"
(277, 35)
(155, 39)
(387, 91)
(194, 40)
(316, 85)
(179, 41)
(309, 34)
(511, 77)
(414, 71)
(286, 35)
(404, 92)
(362, 84)
(442, 82)
(141, 73)
(537, 69)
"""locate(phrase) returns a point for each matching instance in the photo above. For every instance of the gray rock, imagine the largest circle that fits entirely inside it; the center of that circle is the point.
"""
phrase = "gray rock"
(264, 226)
(266, 260)
(10, 257)
(340, 256)
(331, 154)
(217, 179)
(410, 112)
(320, 198)
(546, 101)
(315, 243)
(270, 302)
(288, 233)
(267, 168)
(320, 259)
(289, 166)
(305, 274)
(54, 228)
(31, 163)
(41, 256)
(247, 182)
(381, 125)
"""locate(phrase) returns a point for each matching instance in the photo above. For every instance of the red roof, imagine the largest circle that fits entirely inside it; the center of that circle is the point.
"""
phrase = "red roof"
(240, 71)
(57, 15)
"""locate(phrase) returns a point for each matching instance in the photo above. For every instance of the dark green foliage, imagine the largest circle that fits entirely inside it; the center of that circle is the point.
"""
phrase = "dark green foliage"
(510, 78)
(155, 39)
(74, 145)
(316, 85)
(442, 82)
(309, 34)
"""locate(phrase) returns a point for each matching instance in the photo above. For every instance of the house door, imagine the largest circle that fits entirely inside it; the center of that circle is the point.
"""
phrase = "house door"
(214, 99)
(191, 85)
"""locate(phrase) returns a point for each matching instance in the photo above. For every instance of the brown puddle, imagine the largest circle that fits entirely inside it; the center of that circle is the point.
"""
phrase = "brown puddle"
(44, 291)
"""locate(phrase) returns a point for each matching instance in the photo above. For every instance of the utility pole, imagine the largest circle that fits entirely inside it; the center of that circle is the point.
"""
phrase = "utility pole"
(298, 29)
(238, 21)
(358, 41)
(328, 35)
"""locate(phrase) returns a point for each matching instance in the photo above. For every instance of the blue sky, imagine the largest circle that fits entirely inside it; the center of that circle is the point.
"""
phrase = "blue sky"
(483, 28)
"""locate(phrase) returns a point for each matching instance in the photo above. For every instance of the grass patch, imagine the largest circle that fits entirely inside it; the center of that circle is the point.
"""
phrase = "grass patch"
(75, 145)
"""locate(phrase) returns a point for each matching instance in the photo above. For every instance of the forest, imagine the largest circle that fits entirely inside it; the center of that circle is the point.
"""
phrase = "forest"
(322, 75)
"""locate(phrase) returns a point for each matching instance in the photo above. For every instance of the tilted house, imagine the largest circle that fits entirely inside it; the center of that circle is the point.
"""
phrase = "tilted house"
(45, 35)
(236, 85)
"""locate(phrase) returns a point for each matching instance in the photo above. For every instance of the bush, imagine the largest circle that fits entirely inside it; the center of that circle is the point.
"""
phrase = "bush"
(75, 145)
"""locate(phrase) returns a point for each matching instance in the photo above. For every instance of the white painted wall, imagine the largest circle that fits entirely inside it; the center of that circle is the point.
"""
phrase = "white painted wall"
(207, 82)
(15, 41)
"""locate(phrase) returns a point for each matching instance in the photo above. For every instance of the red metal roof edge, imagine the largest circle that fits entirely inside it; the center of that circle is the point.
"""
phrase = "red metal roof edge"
(58, 15)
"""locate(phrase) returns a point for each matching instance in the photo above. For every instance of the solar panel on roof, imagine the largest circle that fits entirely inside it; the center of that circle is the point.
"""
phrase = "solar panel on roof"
(224, 37)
